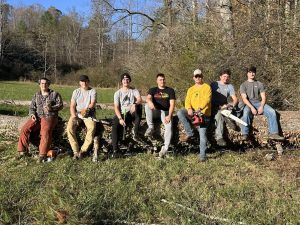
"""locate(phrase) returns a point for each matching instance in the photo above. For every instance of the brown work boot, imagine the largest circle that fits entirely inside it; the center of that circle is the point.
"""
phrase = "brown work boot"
(202, 160)
(77, 155)
(42, 158)
(276, 137)
(21, 155)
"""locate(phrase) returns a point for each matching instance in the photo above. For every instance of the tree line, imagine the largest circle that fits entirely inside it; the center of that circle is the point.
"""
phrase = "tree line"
(146, 37)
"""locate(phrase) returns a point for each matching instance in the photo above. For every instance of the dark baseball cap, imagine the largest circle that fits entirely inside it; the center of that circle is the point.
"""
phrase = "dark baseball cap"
(125, 75)
(84, 78)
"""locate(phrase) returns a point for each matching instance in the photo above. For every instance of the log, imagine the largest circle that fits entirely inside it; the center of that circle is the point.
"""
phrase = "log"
(289, 121)
(289, 126)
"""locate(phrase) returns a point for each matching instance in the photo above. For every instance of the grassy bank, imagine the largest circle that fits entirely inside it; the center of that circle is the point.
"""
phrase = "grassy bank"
(238, 187)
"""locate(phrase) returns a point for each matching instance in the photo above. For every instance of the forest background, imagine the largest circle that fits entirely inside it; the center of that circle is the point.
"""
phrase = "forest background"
(146, 37)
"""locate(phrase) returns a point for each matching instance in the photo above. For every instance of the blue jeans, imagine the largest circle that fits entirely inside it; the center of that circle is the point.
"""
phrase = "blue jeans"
(183, 117)
(152, 114)
(269, 112)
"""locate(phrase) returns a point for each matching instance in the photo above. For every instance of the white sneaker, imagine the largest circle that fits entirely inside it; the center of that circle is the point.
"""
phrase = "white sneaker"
(163, 152)
(149, 132)
(95, 158)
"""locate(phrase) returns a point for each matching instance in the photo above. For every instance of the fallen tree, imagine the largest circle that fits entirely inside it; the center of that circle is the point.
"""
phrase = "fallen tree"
(289, 126)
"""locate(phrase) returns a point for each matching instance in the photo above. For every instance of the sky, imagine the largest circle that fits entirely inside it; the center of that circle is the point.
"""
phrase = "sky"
(65, 6)
(84, 8)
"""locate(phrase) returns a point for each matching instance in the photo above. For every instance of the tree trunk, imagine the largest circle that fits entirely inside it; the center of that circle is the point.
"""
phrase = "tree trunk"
(279, 81)
(225, 9)
(168, 8)
(267, 25)
(289, 124)
(55, 64)
(1, 29)
(195, 11)
(296, 14)
(129, 37)
(45, 58)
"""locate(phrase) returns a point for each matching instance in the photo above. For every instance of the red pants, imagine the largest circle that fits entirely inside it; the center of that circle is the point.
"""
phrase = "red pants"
(45, 127)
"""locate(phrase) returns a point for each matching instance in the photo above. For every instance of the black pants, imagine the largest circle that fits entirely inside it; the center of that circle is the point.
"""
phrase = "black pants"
(117, 129)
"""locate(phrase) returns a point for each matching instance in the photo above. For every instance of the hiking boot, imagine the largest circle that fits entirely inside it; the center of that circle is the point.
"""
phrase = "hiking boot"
(149, 132)
(41, 159)
(245, 137)
(21, 155)
(201, 160)
(80, 155)
(221, 142)
(76, 155)
(270, 156)
(185, 138)
(115, 154)
(136, 138)
(276, 137)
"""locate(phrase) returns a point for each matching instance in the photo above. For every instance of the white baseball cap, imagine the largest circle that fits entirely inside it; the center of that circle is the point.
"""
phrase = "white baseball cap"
(197, 72)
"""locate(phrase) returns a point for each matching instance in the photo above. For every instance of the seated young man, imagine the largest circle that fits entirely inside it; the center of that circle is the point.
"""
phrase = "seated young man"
(82, 109)
(198, 98)
(160, 104)
(221, 91)
(254, 97)
(44, 108)
(127, 106)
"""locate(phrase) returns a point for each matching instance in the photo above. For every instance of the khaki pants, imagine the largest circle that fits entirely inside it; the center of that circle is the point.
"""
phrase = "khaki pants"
(73, 123)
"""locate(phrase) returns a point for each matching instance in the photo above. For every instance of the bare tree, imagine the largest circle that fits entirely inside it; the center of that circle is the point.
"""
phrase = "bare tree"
(1, 27)
(2, 16)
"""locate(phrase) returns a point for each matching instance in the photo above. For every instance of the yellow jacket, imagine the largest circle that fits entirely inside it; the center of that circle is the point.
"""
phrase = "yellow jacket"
(199, 97)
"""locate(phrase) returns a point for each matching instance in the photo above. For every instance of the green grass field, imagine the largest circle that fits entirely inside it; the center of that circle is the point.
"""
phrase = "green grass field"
(25, 91)
(19, 110)
(229, 188)
(237, 187)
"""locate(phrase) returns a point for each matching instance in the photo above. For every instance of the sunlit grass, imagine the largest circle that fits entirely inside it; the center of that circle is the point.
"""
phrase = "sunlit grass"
(25, 91)
(21, 110)
(239, 188)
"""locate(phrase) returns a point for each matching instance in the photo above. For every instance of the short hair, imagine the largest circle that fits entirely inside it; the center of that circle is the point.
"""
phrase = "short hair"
(160, 75)
(225, 71)
(125, 75)
(251, 69)
(46, 79)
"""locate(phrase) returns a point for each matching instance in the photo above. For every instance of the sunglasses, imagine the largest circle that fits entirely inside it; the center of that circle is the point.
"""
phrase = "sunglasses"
(198, 76)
